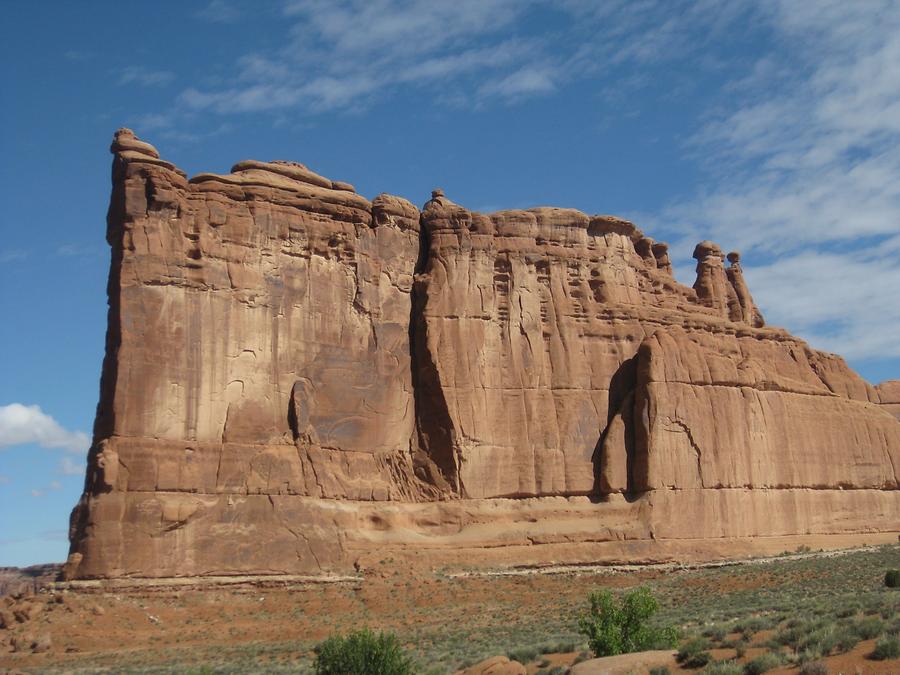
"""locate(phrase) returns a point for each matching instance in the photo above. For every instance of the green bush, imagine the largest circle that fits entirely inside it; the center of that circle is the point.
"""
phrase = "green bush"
(887, 647)
(892, 579)
(693, 653)
(845, 639)
(620, 628)
(362, 653)
(869, 627)
(753, 625)
(820, 642)
(524, 654)
(715, 633)
(763, 663)
(660, 670)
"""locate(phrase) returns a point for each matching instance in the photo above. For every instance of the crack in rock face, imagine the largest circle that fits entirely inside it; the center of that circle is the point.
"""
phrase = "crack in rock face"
(296, 376)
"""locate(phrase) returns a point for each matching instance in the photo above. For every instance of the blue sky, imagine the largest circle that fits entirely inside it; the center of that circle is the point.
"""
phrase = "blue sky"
(769, 126)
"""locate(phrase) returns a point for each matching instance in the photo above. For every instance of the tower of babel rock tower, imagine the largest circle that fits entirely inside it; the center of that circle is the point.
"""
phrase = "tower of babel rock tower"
(300, 380)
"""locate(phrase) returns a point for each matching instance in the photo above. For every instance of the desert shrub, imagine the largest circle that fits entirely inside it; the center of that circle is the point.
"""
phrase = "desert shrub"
(715, 633)
(724, 668)
(892, 579)
(763, 663)
(753, 625)
(845, 639)
(887, 647)
(524, 654)
(693, 653)
(821, 641)
(791, 636)
(660, 670)
(814, 668)
(869, 627)
(560, 648)
(362, 652)
(621, 627)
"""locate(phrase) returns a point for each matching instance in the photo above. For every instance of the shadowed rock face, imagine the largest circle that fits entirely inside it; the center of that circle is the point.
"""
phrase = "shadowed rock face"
(297, 377)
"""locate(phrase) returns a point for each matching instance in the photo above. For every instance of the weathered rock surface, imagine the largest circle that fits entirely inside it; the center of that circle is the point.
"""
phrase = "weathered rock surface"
(296, 376)
(622, 664)
(889, 396)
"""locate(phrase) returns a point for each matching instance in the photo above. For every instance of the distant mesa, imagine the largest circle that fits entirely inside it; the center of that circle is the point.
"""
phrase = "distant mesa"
(300, 380)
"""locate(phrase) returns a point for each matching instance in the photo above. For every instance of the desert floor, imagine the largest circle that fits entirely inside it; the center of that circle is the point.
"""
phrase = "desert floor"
(802, 602)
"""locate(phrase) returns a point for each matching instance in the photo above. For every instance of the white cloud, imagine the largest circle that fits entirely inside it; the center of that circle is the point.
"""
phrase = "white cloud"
(37, 493)
(342, 55)
(68, 467)
(346, 54)
(843, 302)
(144, 76)
(26, 424)
(805, 164)
(525, 81)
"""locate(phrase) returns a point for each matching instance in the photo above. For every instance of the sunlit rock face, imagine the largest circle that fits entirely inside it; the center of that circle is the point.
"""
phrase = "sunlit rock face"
(297, 379)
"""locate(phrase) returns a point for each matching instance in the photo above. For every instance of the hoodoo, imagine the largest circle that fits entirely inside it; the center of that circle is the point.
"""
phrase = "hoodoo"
(300, 380)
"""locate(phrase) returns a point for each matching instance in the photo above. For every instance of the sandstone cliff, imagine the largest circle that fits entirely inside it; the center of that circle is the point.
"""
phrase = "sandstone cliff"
(297, 377)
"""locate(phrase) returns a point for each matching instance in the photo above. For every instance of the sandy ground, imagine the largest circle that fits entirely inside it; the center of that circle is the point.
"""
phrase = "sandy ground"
(272, 625)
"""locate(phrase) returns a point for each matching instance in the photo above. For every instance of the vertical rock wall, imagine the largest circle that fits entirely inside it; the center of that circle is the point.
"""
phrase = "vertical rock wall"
(296, 376)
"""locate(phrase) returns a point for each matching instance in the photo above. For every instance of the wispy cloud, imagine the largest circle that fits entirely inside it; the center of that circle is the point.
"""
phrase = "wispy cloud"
(144, 77)
(52, 486)
(68, 467)
(526, 81)
(27, 424)
(219, 11)
(346, 55)
(805, 164)
(4, 480)
(10, 255)
(77, 251)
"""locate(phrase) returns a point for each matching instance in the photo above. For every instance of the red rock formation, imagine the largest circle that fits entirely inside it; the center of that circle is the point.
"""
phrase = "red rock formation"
(297, 378)
(889, 396)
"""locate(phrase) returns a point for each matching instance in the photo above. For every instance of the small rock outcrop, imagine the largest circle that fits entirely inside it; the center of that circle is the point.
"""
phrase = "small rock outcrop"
(298, 379)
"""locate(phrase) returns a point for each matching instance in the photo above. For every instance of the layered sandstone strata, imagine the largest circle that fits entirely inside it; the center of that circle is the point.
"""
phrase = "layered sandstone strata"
(297, 378)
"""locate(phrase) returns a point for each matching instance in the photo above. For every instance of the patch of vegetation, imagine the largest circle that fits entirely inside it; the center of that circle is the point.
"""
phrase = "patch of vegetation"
(869, 627)
(814, 668)
(362, 653)
(892, 579)
(613, 627)
(763, 663)
(724, 668)
(886, 648)
(693, 653)
(523, 654)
